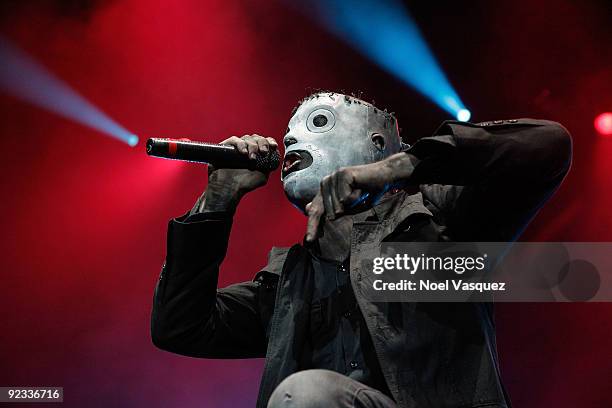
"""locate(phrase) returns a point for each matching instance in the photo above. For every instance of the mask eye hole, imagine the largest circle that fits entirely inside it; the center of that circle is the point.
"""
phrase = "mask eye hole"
(321, 120)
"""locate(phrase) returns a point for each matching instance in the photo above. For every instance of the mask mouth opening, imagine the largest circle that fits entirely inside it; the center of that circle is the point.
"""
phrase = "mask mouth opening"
(295, 160)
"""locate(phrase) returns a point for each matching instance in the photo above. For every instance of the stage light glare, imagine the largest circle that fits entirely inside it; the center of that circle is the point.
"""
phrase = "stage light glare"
(384, 31)
(603, 124)
(132, 140)
(463, 115)
(26, 79)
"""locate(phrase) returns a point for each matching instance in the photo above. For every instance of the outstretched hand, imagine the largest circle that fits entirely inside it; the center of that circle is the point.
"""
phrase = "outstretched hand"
(340, 190)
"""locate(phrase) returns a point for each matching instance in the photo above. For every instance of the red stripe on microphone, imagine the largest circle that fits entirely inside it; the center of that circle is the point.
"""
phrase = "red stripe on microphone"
(172, 148)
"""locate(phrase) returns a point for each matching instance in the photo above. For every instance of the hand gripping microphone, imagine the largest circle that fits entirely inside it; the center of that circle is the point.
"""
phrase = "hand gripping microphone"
(220, 156)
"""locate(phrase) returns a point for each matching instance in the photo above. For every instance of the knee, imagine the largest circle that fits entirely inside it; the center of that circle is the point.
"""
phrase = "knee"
(307, 389)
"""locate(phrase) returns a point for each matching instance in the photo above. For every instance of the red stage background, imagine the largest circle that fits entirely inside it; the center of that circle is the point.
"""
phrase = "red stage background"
(84, 216)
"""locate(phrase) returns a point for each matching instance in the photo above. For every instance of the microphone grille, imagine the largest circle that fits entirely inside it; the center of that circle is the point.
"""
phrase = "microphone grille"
(267, 162)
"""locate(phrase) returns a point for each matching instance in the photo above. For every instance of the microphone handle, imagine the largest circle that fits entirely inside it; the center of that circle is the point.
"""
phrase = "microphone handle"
(220, 156)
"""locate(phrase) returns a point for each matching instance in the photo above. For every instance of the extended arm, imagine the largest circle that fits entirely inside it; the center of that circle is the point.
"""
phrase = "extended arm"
(492, 179)
(488, 181)
(190, 315)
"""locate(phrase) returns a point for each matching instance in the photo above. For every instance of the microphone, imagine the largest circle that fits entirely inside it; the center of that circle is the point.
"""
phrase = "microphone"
(220, 156)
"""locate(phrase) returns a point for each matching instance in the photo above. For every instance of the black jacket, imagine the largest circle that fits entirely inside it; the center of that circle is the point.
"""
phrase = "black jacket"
(478, 182)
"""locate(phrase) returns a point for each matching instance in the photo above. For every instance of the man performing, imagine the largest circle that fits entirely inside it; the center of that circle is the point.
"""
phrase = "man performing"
(346, 168)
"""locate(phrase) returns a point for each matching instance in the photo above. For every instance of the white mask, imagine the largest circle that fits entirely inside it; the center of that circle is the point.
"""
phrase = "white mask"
(329, 131)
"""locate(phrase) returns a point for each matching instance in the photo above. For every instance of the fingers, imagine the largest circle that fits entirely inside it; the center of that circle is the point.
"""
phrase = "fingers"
(337, 192)
(344, 186)
(326, 191)
(262, 143)
(329, 188)
(238, 143)
(272, 143)
(252, 145)
(314, 210)
(265, 144)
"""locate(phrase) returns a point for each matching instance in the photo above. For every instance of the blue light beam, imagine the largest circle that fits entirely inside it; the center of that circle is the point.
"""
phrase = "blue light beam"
(383, 31)
(25, 79)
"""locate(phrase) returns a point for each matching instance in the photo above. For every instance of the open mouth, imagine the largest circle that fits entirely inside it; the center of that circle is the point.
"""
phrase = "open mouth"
(294, 161)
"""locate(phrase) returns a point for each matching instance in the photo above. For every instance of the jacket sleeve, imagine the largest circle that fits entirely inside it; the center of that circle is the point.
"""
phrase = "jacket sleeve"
(190, 315)
(486, 181)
